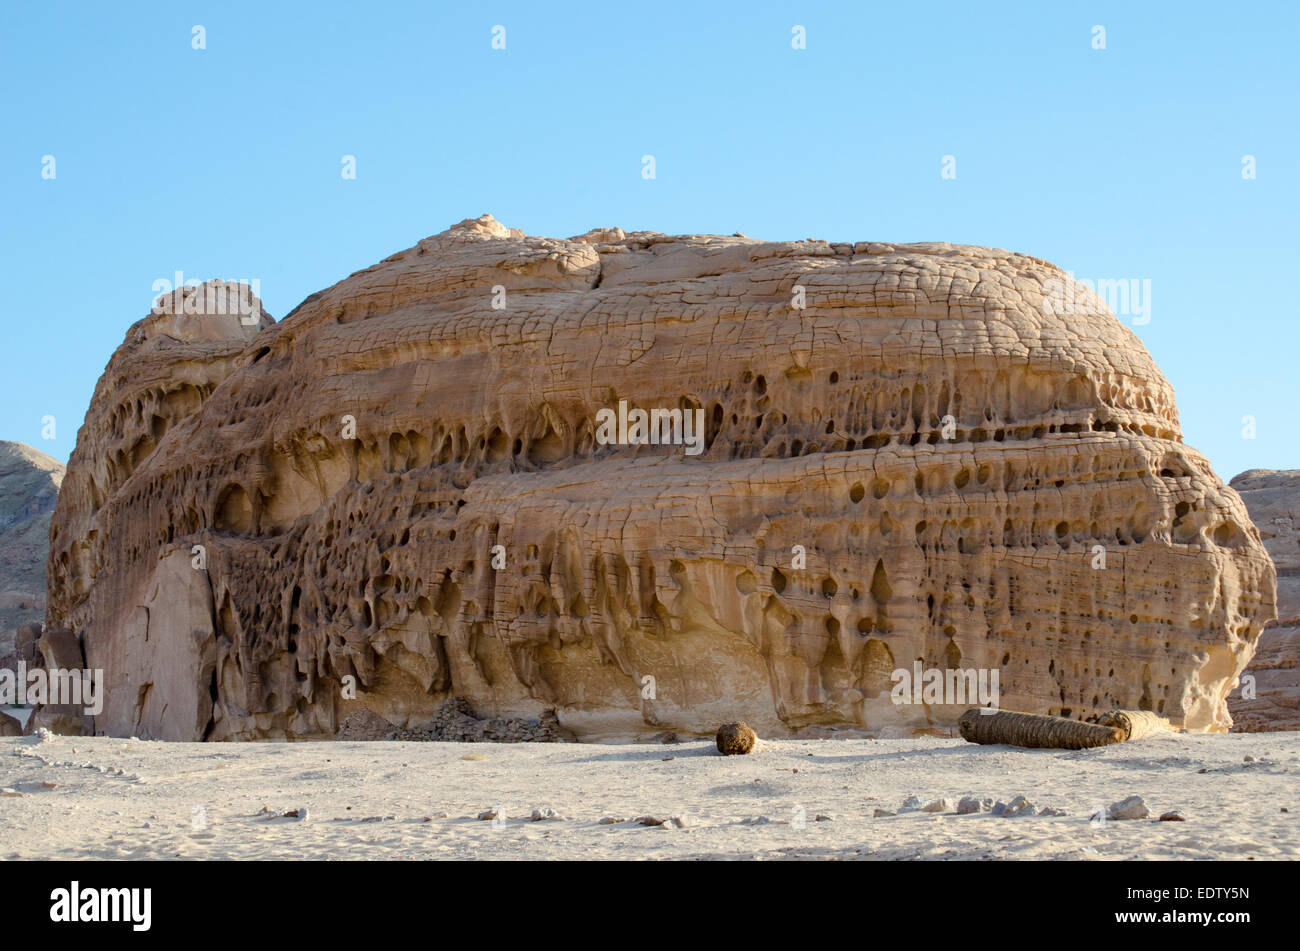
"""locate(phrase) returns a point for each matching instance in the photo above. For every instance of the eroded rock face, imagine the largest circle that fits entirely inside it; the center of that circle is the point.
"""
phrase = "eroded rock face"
(1273, 500)
(954, 456)
(154, 626)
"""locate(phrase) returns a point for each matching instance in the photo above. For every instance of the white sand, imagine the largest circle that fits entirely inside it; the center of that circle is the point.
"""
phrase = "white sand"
(114, 798)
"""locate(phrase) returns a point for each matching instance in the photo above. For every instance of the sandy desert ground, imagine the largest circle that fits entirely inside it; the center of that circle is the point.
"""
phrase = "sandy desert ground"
(78, 797)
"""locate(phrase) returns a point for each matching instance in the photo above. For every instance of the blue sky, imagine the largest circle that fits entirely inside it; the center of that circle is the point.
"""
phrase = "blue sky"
(1122, 163)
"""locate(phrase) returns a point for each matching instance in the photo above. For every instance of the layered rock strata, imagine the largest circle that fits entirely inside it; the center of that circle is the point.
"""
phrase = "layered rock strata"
(402, 493)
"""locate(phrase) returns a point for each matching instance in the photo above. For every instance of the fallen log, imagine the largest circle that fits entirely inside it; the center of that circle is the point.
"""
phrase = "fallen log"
(1135, 724)
(1036, 731)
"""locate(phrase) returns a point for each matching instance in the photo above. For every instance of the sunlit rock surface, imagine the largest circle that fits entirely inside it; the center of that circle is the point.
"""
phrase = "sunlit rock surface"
(977, 476)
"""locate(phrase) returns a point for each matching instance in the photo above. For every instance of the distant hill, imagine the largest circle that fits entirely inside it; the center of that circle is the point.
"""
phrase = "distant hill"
(1273, 499)
(29, 486)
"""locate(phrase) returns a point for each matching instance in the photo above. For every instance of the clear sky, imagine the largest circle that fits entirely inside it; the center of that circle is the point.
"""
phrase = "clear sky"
(1122, 163)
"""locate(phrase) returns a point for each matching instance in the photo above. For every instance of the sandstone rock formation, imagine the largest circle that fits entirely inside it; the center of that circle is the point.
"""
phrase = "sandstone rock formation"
(1273, 500)
(29, 485)
(909, 453)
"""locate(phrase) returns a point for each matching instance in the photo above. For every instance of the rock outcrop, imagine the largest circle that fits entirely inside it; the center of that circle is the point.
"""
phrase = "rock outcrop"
(1273, 500)
(29, 486)
(409, 490)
